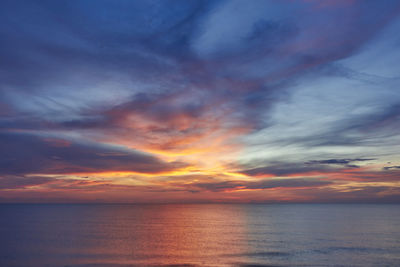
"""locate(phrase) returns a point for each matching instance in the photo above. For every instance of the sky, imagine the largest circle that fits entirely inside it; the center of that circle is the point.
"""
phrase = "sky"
(185, 101)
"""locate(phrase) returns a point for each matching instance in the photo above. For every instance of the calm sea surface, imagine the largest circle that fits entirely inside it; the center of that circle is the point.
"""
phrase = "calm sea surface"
(199, 235)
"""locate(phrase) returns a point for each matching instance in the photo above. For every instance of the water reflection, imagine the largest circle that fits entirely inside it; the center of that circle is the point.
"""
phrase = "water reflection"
(212, 235)
(202, 235)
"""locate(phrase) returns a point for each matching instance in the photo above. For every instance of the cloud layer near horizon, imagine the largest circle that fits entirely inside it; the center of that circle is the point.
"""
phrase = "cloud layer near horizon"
(200, 100)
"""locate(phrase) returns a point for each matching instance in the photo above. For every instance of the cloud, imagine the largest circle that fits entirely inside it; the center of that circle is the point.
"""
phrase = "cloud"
(283, 169)
(20, 182)
(25, 154)
(262, 184)
(355, 194)
(152, 50)
(337, 161)
(279, 89)
(312, 166)
(391, 168)
(343, 162)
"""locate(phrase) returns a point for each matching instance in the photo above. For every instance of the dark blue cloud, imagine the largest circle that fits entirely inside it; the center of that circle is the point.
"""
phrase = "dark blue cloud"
(18, 182)
(391, 168)
(262, 184)
(27, 154)
(301, 169)
(51, 48)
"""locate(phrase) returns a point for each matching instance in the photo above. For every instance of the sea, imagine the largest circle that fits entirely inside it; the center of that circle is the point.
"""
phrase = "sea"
(199, 235)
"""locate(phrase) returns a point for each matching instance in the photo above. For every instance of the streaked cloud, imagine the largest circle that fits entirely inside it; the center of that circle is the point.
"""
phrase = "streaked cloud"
(200, 100)
(27, 154)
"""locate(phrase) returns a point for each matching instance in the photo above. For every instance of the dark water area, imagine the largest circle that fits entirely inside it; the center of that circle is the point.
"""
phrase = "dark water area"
(199, 235)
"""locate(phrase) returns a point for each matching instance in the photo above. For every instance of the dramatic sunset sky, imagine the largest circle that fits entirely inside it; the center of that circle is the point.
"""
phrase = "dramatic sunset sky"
(200, 101)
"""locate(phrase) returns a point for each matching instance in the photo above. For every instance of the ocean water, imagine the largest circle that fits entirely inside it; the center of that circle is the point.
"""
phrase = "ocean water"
(200, 235)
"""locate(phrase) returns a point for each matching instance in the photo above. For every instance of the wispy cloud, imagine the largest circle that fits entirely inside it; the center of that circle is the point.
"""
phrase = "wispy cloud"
(233, 90)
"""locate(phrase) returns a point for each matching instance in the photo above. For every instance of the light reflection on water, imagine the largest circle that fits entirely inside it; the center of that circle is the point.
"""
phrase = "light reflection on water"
(203, 235)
